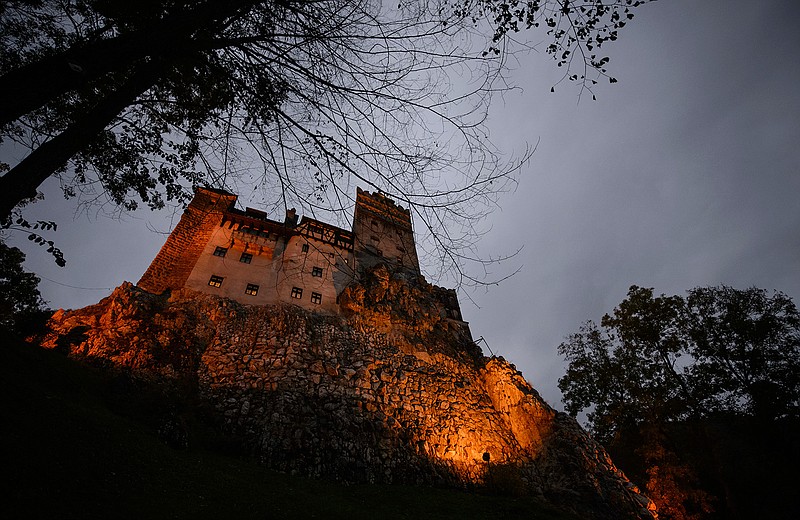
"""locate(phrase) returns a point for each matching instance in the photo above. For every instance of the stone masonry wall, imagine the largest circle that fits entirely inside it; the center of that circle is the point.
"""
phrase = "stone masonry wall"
(382, 232)
(178, 256)
(392, 391)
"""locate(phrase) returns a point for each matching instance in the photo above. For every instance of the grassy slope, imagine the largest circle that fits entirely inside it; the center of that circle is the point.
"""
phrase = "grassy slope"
(65, 452)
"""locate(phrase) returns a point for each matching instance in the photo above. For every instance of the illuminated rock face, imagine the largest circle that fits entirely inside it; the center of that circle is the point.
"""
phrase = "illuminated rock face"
(329, 354)
(389, 390)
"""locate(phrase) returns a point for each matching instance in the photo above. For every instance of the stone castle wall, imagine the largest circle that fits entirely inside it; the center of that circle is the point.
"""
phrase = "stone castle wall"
(392, 390)
(383, 233)
(245, 256)
(174, 263)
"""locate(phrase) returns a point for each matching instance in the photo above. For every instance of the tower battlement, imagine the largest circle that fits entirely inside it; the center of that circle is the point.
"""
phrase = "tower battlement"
(248, 257)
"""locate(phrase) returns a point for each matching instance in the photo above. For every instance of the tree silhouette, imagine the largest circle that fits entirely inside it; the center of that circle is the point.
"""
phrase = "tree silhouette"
(133, 102)
(20, 300)
(671, 377)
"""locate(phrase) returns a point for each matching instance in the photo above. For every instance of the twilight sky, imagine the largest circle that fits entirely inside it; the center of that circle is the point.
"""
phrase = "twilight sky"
(685, 173)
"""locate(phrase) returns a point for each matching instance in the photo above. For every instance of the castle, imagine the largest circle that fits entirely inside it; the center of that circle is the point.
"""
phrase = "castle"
(245, 256)
(324, 352)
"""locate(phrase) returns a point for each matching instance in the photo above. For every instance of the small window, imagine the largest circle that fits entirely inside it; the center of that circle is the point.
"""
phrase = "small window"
(246, 258)
(297, 292)
(215, 281)
(317, 271)
(380, 253)
(332, 255)
(252, 289)
(316, 298)
(374, 224)
(221, 251)
(305, 248)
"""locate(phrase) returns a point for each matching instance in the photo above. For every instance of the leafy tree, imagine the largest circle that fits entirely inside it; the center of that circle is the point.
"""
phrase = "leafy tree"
(626, 372)
(667, 358)
(19, 291)
(745, 347)
(660, 369)
(141, 101)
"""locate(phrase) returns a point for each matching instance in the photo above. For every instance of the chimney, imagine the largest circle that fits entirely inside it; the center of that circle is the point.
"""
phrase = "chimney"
(291, 218)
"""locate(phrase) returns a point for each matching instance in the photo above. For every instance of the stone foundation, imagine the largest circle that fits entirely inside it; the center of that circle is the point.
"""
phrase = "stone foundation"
(393, 391)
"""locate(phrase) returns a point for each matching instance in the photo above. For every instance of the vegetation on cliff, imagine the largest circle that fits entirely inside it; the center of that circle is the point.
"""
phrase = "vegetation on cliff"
(700, 395)
(21, 304)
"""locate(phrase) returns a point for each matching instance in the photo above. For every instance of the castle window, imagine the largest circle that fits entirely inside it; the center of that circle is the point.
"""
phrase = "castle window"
(252, 289)
(317, 271)
(246, 258)
(379, 252)
(316, 298)
(215, 281)
(305, 248)
(297, 292)
(374, 238)
(221, 251)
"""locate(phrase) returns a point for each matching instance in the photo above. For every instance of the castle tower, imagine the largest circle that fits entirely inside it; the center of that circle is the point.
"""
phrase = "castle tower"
(179, 254)
(382, 233)
(243, 255)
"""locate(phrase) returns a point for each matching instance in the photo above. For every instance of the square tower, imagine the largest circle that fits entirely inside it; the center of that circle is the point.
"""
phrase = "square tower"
(382, 233)
(184, 247)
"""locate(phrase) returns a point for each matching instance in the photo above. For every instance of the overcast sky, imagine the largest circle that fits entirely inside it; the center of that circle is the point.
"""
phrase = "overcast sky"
(685, 173)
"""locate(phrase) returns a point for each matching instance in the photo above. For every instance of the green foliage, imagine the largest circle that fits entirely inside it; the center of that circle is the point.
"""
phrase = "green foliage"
(661, 372)
(627, 371)
(15, 222)
(746, 351)
(576, 30)
(671, 481)
(20, 301)
(668, 358)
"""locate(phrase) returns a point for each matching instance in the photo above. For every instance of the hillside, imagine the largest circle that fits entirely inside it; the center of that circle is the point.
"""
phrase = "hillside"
(80, 443)
(390, 391)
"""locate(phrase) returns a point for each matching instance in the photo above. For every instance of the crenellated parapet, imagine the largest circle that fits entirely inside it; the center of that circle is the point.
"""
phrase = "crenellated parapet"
(383, 233)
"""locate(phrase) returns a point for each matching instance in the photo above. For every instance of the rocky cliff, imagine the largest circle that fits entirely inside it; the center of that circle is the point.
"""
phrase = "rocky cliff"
(391, 390)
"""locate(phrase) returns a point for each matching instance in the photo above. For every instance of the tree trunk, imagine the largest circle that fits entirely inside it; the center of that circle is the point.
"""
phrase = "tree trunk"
(22, 181)
(35, 84)
(32, 86)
